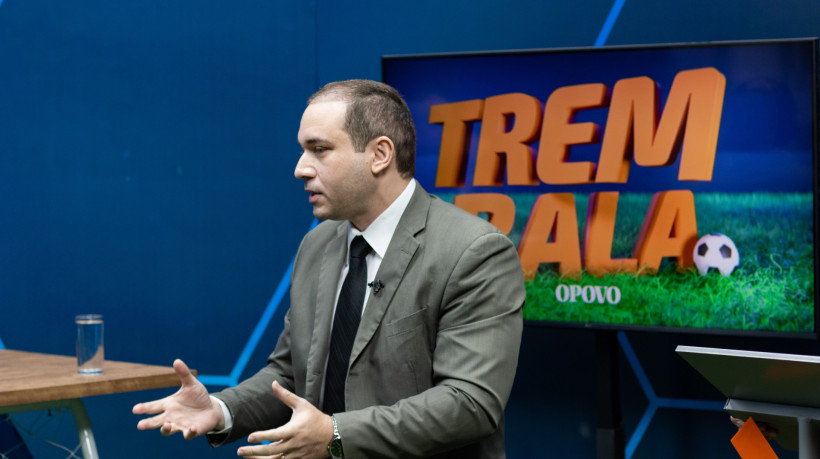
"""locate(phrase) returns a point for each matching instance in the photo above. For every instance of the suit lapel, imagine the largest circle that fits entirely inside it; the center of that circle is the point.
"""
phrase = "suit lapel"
(402, 247)
(332, 261)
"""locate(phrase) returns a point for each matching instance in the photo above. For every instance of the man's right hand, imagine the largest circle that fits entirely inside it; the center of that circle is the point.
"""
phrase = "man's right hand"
(190, 410)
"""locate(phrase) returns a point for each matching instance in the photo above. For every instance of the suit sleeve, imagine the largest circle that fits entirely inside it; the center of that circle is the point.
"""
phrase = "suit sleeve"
(474, 363)
(252, 403)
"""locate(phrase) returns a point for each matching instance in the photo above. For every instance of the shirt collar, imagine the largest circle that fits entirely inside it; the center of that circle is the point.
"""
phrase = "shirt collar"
(379, 233)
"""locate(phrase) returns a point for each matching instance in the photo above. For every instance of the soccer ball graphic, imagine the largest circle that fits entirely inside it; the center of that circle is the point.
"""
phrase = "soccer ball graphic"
(717, 251)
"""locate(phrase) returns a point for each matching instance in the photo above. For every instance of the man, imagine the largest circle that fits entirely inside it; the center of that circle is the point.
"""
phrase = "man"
(436, 345)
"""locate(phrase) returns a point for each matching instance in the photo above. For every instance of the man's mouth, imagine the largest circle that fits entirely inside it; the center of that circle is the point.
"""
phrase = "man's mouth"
(314, 195)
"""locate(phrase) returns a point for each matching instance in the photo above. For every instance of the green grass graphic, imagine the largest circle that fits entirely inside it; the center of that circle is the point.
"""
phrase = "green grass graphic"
(771, 290)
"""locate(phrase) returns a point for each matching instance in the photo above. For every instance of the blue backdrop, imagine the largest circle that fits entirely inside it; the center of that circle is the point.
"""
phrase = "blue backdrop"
(146, 159)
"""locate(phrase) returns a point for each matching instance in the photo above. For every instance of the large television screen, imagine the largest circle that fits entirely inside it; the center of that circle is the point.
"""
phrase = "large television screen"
(668, 187)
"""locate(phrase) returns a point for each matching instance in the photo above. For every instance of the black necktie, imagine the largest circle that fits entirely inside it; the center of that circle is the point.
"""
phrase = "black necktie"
(345, 324)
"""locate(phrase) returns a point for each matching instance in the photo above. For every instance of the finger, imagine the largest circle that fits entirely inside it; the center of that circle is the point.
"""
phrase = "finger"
(154, 407)
(190, 433)
(151, 423)
(737, 422)
(273, 436)
(261, 450)
(183, 373)
(287, 397)
(168, 429)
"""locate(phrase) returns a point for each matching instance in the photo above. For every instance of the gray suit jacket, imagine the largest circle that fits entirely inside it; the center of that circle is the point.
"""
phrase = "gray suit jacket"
(436, 351)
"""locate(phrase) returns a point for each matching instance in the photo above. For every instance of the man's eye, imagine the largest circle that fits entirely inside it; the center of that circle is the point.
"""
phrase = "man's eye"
(318, 150)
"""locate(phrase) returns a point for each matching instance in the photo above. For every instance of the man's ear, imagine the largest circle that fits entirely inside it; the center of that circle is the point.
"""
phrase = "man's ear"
(384, 153)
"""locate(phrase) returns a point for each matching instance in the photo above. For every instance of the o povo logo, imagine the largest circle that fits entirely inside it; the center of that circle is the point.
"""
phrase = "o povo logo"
(587, 294)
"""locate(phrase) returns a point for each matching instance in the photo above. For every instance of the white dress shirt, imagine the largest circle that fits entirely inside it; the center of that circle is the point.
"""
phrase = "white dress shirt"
(378, 236)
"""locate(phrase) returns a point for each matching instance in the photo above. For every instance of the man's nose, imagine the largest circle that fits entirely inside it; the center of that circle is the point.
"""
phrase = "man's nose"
(303, 169)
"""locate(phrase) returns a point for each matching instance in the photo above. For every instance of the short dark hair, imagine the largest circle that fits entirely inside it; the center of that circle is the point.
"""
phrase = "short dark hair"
(375, 109)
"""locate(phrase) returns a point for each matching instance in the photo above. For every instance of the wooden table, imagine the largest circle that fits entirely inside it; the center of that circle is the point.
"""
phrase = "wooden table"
(31, 381)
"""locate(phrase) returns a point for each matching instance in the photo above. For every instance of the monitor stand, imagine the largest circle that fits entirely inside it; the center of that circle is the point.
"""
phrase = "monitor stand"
(782, 390)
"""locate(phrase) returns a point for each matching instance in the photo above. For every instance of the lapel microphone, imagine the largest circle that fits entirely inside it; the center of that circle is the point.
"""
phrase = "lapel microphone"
(376, 285)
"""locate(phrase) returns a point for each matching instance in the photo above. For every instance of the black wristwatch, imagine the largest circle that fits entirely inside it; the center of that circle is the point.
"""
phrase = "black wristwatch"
(334, 448)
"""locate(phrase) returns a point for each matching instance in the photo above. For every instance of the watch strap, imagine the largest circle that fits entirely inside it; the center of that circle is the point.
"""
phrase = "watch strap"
(334, 448)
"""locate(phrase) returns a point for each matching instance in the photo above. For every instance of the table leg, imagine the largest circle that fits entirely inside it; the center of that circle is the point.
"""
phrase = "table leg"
(83, 423)
(81, 420)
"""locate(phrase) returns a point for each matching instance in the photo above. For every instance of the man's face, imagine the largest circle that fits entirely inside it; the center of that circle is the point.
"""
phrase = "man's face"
(337, 178)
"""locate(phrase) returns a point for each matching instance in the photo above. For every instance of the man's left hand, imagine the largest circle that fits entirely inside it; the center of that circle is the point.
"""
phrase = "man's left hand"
(305, 436)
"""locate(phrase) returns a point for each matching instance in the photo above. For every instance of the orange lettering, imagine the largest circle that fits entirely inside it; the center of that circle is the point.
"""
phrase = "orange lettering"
(551, 236)
(452, 163)
(495, 139)
(600, 228)
(695, 100)
(559, 132)
(670, 230)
